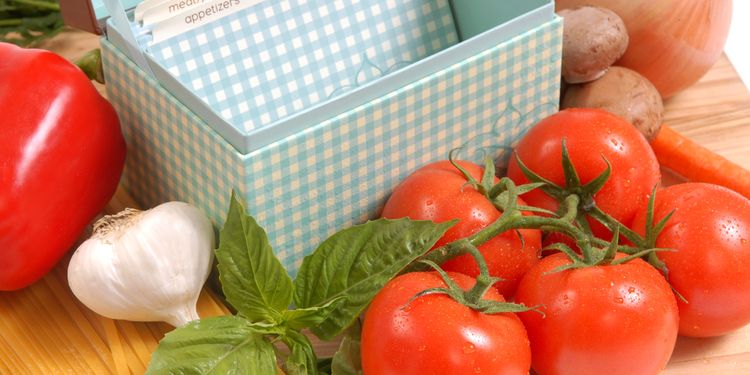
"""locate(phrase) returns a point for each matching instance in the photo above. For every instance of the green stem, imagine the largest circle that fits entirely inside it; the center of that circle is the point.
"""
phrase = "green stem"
(514, 219)
(502, 224)
(453, 249)
(598, 242)
(10, 22)
(550, 224)
(483, 281)
(91, 64)
(38, 4)
(611, 223)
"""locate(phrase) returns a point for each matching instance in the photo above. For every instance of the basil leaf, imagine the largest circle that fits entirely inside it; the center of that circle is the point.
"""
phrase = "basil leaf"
(308, 317)
(218, 345)
(355, 263)
(301, 360)
(252, 278)
(347, 360)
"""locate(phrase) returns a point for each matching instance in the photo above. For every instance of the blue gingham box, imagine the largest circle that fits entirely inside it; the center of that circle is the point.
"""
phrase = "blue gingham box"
(278, 58)
(356, 119)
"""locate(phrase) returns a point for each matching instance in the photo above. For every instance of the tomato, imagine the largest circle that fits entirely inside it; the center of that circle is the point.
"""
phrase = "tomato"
(434, 334)
(613, 319)
(439, 192)
(590, 134)
(550, 238)
(710, 230)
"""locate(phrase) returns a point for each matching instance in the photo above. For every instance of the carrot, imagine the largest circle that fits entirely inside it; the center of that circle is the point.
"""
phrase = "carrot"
(697, 163)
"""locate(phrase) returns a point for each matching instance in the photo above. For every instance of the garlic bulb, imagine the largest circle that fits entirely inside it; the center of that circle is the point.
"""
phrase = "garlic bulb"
(145, 265)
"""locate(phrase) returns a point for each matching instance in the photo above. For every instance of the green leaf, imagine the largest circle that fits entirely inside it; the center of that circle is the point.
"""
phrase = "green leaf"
(311, 316)
(536, 210)
(488, 176)
(565, 249)
(252, 278)
(355, 263)
(496, 307)
(218, 345)
(547, 186)
(597, 183)
(571, 175)
(302, 359)
(525, 188)
(27, 24)
(347, 360)
(469, 178)
(611, 251)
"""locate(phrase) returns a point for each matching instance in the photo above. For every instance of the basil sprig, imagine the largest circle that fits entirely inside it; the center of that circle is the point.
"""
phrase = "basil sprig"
(333, 287)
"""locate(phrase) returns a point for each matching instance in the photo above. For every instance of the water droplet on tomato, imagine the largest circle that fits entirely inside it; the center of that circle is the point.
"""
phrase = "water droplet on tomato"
(469, 348)
(619, 300)
(631, 290)
(422, 348)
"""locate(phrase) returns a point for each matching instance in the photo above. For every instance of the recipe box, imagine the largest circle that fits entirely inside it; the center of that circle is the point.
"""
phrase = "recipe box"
(314, 110)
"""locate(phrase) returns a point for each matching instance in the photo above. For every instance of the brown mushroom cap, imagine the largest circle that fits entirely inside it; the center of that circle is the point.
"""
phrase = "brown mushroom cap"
(624, 93)
(593, 39)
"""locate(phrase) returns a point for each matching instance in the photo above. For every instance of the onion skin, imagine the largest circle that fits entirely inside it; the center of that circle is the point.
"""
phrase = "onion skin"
(673, 43)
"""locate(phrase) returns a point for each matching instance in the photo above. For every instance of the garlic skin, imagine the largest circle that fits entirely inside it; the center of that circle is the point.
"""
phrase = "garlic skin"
(145, 265)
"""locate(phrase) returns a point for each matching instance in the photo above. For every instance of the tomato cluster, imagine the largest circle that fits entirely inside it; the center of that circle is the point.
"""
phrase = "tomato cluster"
(600, 291)
(436, 192)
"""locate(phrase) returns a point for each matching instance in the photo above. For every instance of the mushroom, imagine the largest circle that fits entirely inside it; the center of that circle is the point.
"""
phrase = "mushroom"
(623, 92)
(593, 39)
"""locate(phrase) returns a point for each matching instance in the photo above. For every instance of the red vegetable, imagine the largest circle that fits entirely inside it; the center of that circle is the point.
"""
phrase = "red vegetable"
(710, 231)
(61, 157)
(591, 136)
(609, 319)
(439, 192)
(434, 334)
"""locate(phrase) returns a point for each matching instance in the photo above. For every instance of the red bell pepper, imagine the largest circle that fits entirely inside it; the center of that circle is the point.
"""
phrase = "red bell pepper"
(61, 158)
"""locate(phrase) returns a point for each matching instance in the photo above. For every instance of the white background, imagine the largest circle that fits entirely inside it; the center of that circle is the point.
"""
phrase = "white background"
(737, 47)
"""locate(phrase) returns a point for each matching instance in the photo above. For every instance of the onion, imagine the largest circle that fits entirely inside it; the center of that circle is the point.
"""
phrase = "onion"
(672, 42)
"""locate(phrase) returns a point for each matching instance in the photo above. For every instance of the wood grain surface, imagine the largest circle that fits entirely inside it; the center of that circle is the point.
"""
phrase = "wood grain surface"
(44, 330)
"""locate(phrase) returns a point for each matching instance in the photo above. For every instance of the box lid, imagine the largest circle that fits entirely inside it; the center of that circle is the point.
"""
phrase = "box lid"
(472, 17)
(478, 32)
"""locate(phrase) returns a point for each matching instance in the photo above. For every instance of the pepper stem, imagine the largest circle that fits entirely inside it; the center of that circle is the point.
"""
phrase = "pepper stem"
(91, 64)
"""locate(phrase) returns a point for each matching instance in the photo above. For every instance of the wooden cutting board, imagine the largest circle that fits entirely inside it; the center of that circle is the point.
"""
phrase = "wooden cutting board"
(44, 330)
